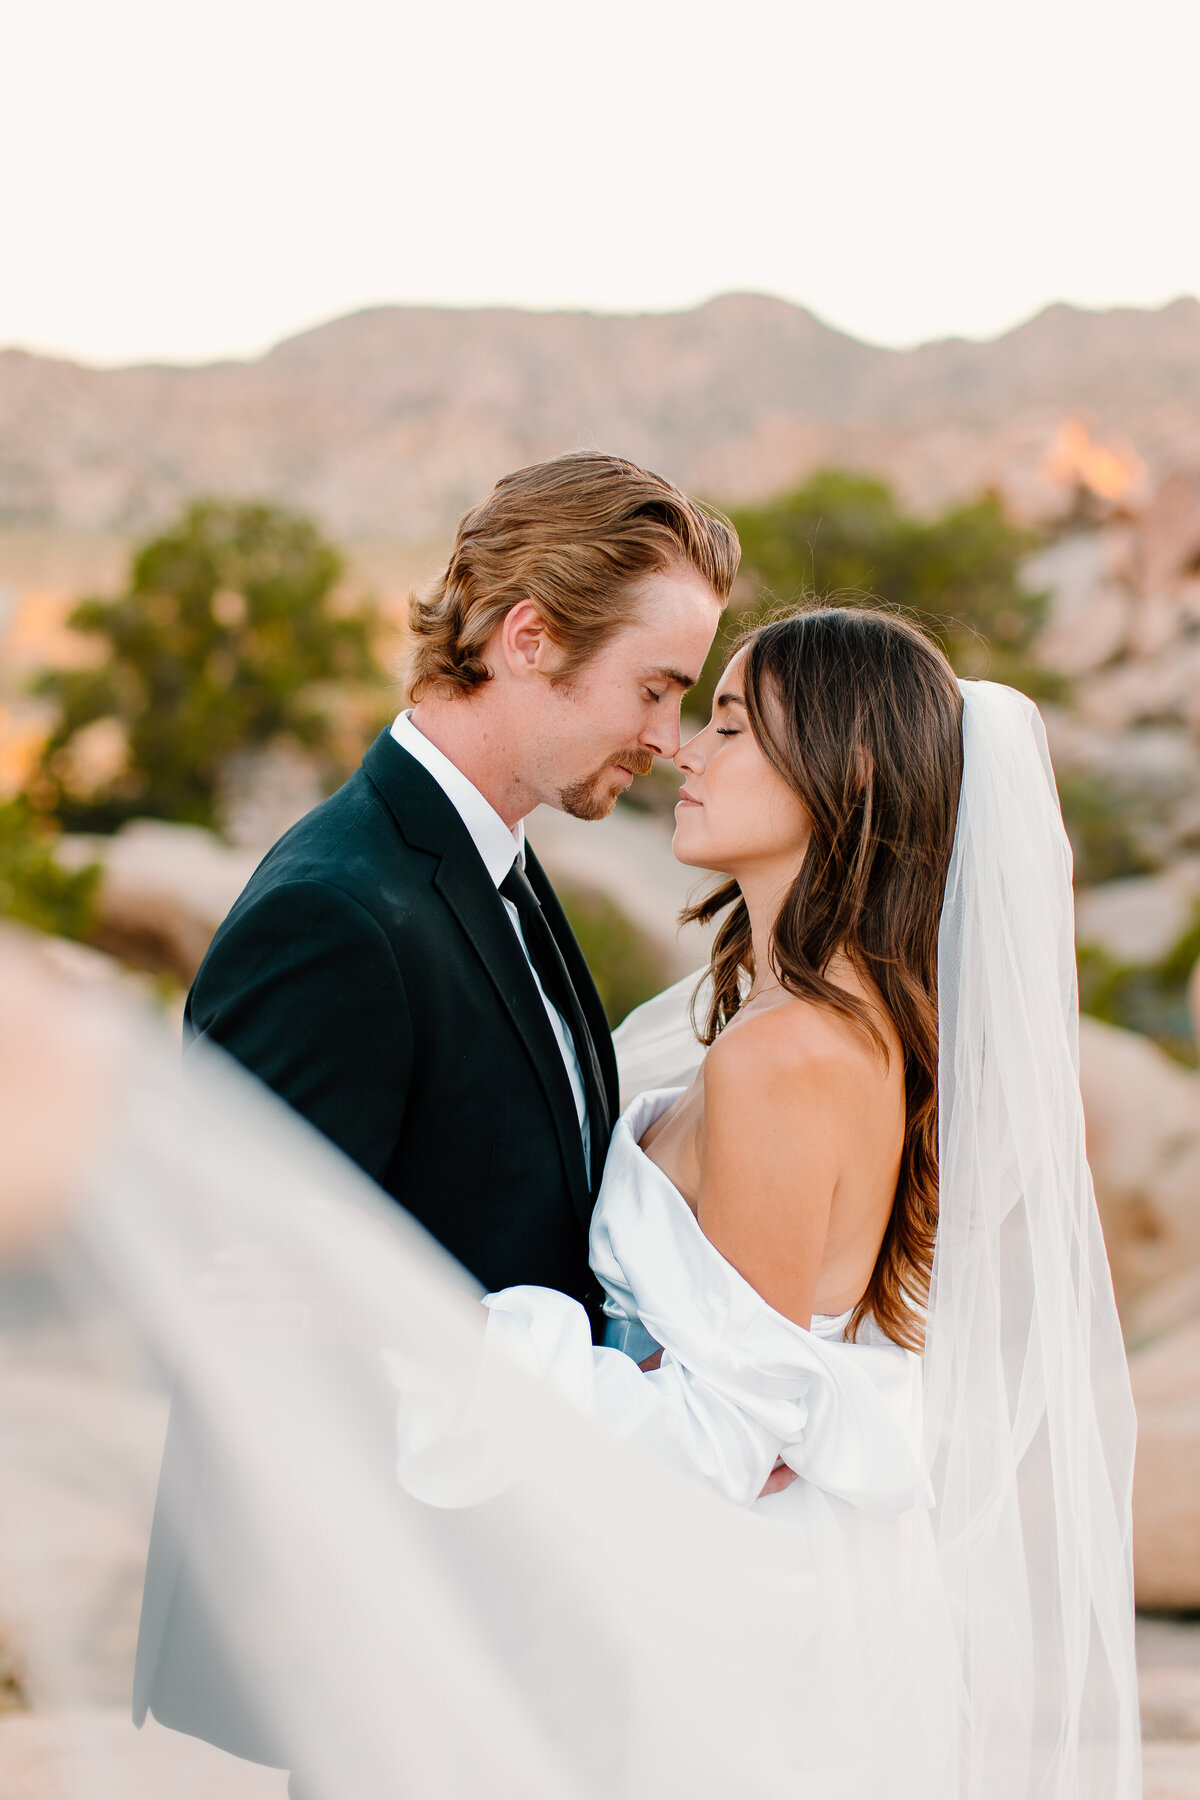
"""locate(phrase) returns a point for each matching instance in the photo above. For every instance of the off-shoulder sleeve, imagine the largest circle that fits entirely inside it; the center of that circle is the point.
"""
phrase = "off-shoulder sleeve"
(738, 1387)
(739, 1384)
(672, 1414)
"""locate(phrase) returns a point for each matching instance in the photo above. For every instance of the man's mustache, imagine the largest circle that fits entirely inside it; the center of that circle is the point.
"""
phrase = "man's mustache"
(638, 762)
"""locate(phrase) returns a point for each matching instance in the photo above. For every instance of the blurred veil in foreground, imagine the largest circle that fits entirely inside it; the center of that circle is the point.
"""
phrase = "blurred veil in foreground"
(592, 1624)
(586, 1622)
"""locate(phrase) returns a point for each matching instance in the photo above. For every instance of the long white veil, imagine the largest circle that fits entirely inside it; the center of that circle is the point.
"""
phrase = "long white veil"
(1029, 1416)
(597, 1625)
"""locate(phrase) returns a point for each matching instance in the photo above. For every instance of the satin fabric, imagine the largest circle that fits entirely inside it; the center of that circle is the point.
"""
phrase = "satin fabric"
(844, 1679)
(739, 1384)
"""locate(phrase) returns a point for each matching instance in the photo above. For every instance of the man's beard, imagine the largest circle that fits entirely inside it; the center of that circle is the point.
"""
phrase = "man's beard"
(587, 799)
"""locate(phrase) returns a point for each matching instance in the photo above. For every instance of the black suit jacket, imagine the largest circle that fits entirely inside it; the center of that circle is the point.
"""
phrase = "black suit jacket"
(369, 974)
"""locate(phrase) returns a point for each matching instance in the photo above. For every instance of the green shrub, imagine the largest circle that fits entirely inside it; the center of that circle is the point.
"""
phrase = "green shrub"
(33, 889)
(1150, 998)
(843, 539)
(229, 637)
(1106, 826)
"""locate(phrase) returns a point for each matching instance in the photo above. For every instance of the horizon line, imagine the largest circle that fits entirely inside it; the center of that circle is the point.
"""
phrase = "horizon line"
(531, 309)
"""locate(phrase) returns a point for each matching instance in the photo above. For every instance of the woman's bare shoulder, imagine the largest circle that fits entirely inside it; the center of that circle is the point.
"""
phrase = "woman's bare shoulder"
(790, 1038)
(781, 1091)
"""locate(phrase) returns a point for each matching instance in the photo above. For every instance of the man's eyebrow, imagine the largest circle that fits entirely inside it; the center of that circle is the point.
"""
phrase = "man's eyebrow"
(673, 675)
(729, 698)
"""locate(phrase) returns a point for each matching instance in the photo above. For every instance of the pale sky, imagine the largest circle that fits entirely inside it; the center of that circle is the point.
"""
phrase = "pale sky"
(196, 181)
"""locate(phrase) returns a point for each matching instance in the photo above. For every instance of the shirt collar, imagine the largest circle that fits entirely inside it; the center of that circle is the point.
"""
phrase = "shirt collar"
(497, 845)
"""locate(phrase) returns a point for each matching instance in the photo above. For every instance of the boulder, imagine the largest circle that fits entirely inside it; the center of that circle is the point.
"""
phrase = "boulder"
(1168, 1655)
(1144, 689)
(98, 1751)
(265, 791)
(1170, 1771)
(1162, 759)
(1170, 1705)
(1159, 620)
(1139, 919)
(1170, 531)
(1166, 1510)
(1090, 614)
(1143, 1138)
(78, 1472)
(164, 890)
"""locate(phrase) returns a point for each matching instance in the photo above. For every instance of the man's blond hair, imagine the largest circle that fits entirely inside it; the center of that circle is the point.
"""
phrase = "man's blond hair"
(573, 535)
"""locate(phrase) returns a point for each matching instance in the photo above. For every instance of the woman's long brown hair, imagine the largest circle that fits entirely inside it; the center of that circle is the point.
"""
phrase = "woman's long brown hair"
(862, 717)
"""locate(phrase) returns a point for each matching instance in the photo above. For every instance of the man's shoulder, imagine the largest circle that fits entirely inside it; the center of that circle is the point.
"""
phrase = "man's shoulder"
(342, 875)
(341, 841)
(381, 826)
(345, 859)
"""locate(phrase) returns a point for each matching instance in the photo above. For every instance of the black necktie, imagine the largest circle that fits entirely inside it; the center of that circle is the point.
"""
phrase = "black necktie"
(553, 974)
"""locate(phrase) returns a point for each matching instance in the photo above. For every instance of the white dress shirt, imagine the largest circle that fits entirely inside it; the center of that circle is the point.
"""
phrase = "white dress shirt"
(498, 847)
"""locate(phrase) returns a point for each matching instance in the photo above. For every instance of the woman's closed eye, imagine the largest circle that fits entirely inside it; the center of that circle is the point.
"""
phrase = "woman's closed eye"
(728, 731)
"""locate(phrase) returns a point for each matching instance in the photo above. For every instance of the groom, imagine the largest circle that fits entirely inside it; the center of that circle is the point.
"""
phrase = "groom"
(398, 968)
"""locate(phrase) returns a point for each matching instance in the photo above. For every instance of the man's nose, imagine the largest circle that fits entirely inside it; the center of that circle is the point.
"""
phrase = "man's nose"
(662, 735)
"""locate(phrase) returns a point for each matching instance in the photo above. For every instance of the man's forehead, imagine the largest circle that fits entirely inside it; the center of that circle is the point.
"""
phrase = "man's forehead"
(675, 629)
(675, 598)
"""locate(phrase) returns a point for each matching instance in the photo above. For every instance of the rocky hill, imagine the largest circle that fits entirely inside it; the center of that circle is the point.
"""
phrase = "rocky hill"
(387, 423)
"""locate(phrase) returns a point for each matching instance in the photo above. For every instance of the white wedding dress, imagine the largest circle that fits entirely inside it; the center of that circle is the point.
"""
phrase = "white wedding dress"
(739, 1385)
(815, 1635)
(572, 1592)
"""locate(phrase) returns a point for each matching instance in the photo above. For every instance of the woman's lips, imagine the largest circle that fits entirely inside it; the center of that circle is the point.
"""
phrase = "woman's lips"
(686, 799)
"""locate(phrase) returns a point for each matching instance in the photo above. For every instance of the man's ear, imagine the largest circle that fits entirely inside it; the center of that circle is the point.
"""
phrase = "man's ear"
(522, 642)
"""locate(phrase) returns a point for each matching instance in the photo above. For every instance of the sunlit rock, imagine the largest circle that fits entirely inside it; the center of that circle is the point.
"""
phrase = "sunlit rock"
(164, 890)
(1143, 1139)
(1166, 1513)
(1140, 919)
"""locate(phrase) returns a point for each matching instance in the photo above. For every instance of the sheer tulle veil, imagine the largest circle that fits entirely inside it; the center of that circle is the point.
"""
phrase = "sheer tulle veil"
(1029, 1417)
(596, 1625)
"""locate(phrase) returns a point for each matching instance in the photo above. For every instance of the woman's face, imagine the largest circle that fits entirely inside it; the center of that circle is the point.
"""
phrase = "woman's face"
(736, 814)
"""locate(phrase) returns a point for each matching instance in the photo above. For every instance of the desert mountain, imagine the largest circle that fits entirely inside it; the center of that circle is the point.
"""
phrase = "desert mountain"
(388, 422)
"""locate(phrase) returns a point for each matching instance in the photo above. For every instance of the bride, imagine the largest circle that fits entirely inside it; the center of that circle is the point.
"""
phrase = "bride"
(855, 1287)
(804, 1151)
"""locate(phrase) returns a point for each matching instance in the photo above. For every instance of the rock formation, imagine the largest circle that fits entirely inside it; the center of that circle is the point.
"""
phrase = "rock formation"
(164, 890)
(389, 422)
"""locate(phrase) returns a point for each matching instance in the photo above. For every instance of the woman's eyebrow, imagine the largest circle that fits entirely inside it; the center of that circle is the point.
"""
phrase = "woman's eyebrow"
(729, 698)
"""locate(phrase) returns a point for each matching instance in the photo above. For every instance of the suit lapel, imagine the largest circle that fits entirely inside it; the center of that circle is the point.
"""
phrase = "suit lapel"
(466, 887)
(430, 822)
(585, 989)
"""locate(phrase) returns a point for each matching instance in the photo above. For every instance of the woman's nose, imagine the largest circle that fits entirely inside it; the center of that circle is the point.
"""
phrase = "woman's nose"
(688, 758)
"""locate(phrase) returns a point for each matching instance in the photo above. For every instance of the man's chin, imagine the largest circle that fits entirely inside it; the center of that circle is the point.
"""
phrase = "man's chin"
(595, 796)
(588, 801)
